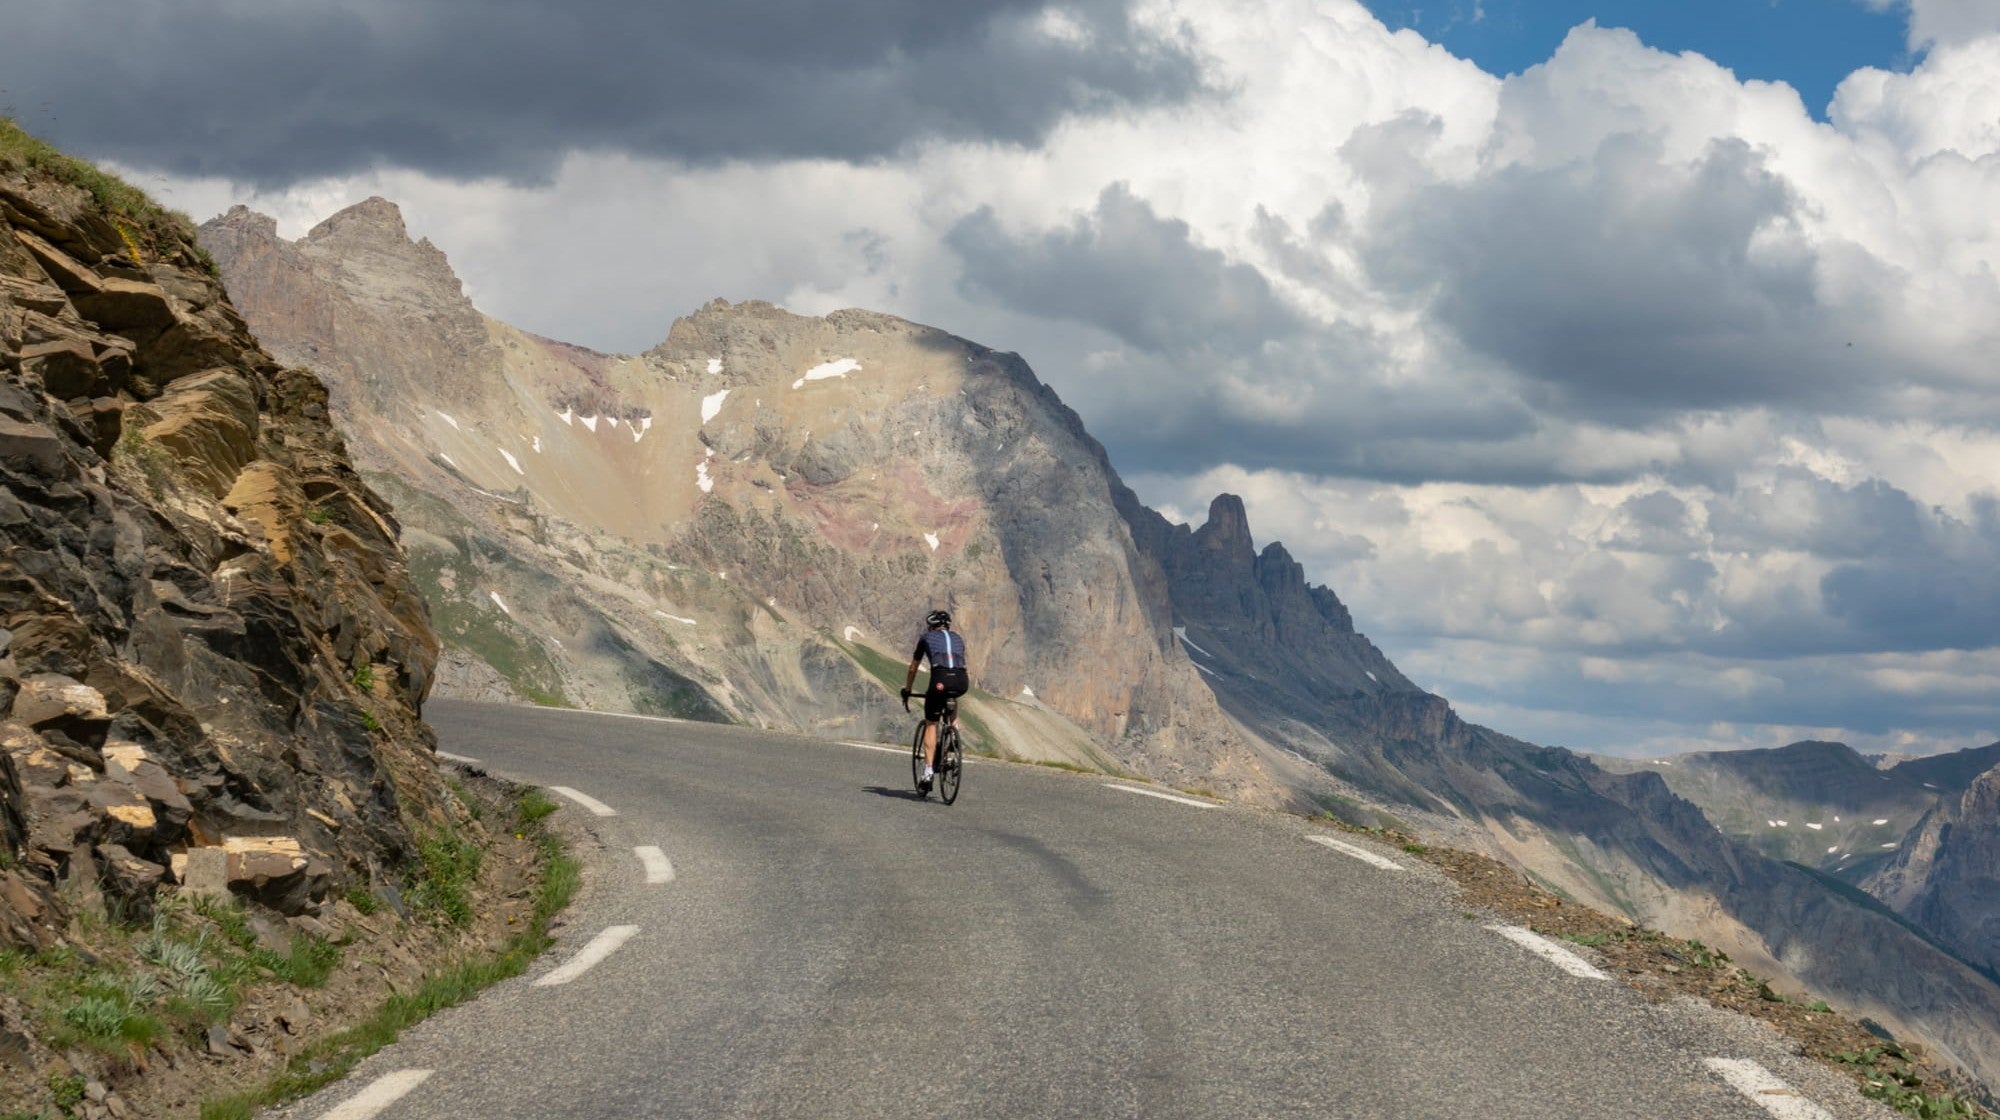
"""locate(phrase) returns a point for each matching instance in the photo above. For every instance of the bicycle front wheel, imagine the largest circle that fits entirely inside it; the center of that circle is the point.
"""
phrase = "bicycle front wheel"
(951, 763)
(917, 758)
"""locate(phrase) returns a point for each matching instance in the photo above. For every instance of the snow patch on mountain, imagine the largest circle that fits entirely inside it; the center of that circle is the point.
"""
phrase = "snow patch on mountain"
(511, 461)
(712, 404)
(1181, 633)
(824, 370)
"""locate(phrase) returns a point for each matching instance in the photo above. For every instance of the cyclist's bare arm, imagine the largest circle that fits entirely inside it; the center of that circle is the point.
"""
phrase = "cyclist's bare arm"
(911, 679)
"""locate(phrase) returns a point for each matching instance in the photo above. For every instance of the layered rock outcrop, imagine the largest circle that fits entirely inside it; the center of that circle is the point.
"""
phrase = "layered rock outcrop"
(211, 652)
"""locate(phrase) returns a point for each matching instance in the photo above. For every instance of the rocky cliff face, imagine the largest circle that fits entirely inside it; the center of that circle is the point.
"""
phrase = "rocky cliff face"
(211, 653)
(749, 520)
(1947, 876)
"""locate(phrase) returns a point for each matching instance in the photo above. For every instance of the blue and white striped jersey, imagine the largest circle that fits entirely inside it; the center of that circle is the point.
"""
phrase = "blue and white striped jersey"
(945, 649)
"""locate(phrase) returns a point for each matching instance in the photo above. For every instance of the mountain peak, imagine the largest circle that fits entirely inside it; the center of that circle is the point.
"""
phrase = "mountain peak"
(373, 219)
(1227, 529)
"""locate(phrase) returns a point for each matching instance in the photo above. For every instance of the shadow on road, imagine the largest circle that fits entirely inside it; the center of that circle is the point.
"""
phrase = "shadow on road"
(885, 791)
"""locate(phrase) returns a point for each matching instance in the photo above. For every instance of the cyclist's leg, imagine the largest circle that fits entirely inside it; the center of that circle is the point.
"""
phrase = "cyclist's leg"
(934, 710)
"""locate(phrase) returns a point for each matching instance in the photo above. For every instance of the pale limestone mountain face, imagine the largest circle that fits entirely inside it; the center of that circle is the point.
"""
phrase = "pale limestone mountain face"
(749, 521)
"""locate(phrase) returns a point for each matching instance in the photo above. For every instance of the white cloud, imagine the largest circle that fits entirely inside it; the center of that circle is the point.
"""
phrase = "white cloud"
(1619, 358)
(1935, 22)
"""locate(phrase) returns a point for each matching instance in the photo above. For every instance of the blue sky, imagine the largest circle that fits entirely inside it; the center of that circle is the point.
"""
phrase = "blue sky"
(1809, 44)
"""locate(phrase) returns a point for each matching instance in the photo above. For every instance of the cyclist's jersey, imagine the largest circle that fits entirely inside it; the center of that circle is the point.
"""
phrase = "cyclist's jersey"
(945, 650)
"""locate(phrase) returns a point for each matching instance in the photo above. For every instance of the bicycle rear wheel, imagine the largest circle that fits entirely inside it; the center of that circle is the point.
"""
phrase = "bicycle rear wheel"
(917, 758)
(951, 763)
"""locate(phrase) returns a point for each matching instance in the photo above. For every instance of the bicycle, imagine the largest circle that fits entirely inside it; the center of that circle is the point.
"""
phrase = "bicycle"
(950, 755)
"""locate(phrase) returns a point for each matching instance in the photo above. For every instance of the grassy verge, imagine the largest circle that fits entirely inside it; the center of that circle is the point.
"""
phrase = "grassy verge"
(128, 989)
(144, 224)
(330, 1058)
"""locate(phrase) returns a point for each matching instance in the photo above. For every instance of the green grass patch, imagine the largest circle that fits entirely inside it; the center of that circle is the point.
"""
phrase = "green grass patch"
(154, 463)
(441, 883)
(362, 899)
(364, 676)
(532, 807)
(1889, 1076)
(308, 962)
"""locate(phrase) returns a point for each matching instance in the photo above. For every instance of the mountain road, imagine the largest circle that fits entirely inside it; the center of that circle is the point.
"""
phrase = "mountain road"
(775, 926)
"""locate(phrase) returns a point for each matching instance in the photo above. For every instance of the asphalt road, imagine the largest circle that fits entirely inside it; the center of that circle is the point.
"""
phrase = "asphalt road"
(831, 947)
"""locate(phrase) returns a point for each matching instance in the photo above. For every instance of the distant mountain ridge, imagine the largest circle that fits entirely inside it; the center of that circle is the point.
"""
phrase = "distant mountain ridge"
(744, 522)
(1922, 836)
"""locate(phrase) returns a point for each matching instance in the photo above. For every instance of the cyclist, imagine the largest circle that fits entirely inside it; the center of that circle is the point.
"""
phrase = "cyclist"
(946, 652)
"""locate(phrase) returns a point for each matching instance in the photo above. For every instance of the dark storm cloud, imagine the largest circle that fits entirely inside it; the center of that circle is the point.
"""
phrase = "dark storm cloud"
(275, 93)
(1939, 590)
(1628, 286)
(1126, 270)
(1214, 366)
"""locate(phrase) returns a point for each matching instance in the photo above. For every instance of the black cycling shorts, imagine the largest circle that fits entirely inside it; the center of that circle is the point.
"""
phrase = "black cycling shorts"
(945, 684)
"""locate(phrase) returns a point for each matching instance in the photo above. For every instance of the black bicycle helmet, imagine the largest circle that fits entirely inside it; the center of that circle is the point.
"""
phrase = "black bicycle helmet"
(938, 618)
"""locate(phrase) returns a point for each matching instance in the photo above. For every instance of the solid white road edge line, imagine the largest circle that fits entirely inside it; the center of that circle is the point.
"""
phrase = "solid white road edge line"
(450, 757)
(874, 747)
(1161, 796)
(587, 801)
(600, 947)
(1550, 951)
(1763, 1087)
(658, 870)
(1360, 853)
(612, 715)
(380, 1094)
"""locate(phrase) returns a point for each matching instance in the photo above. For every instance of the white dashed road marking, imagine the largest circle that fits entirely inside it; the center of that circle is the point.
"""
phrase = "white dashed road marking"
(600, 947)
(380, 1094)
(1360, 853)
(1161, 796)
(658, 870)
(587, 801)
(1761, 1086)
(450, 757)
(1549, 951)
